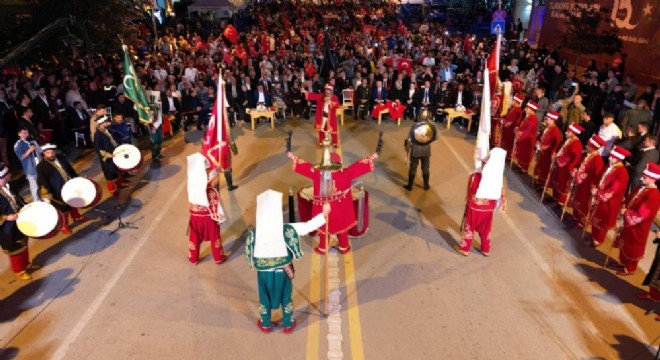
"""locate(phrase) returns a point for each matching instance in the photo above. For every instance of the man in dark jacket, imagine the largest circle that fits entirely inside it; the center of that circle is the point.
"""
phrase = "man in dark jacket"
(52, 173)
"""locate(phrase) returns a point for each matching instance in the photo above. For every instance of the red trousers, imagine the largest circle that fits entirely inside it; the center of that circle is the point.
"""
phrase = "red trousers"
(75, 214)
(342, 238)
(654, 293)
(322, 137)
(203, 228)
(480, 222)
(598, 234)
(20, 262)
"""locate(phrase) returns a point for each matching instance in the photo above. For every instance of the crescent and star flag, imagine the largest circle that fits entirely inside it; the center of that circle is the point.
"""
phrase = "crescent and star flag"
(216, 133)
(231, 34)
(483, 135)
(404, 64)
(134, 91)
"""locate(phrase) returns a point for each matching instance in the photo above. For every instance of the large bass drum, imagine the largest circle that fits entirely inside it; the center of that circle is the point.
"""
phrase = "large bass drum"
(81, 192)
(39, 220)
(305, 207)
(127, 157)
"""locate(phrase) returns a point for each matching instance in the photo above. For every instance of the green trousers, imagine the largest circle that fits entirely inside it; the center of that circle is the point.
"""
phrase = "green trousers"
(274, 292)
(156, 143)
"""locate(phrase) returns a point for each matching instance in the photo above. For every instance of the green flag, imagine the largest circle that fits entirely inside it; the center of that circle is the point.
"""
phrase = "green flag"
(134, 91)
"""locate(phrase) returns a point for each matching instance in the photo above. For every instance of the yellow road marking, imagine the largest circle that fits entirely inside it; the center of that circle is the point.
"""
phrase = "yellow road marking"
(314, 318)
(354, 325)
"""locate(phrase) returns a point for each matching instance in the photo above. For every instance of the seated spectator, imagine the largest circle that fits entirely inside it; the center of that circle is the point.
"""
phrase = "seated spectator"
(120, 130)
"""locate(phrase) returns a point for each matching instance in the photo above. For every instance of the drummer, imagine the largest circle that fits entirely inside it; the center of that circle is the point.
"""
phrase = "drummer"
(13, 242)
(52, 173)
(105, 145)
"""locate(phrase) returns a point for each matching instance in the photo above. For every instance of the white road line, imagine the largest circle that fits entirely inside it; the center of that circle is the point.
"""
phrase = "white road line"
(61, 351)
(546, 268)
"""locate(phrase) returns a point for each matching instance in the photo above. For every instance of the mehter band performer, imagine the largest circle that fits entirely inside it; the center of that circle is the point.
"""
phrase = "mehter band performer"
(586, 177)
(326, 113)
(332, 184)
(523, 148)
(13, 242)
(567, 160)
(270, 249)
(105, 145)
(638, 212)
(206, 213)
(418, 148)
(52, 173)
(486, 191)
(608, 196)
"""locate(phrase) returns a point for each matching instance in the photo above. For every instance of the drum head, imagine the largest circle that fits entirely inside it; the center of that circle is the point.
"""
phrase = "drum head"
(127, 157)
(79, 192)
(37, 219)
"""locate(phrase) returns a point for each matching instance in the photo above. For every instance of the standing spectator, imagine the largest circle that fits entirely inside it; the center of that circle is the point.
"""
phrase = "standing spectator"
(647, 154)
(629, 88)
(614, 100)
(640, 114)
(542, 103)
(610, 133)
(29, 153)
(558, 78)
(588, 126)
(25, 121)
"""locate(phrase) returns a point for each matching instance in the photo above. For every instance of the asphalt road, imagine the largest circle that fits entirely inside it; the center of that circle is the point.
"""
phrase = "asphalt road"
(403, 292)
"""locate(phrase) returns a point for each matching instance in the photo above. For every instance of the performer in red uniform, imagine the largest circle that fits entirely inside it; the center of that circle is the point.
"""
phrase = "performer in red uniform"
(485, 190)
(568, 158)
(326, 113)
(342, 217)
(586, 177)
(608, 196)
(511, 122)
(526, 137)
(206, 214)
(547, 146)
(638, 212)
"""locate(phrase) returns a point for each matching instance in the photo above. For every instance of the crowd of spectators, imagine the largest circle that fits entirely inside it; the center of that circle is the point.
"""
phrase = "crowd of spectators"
(282, 47)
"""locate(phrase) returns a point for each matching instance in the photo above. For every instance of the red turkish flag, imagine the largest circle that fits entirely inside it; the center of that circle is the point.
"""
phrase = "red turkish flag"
(215, 146)
(231, 34)
(404, 64)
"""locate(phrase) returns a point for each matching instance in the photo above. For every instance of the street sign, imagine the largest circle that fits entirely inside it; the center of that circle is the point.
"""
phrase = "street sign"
(499, 15)
(497, 27)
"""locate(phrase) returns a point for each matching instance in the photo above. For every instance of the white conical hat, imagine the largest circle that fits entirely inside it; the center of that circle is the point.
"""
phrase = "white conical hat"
(197, 180)
(269, 240)
(492, 175)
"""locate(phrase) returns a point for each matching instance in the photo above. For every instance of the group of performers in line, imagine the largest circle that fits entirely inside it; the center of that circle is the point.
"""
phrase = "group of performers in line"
(593, 186)
(53, 172)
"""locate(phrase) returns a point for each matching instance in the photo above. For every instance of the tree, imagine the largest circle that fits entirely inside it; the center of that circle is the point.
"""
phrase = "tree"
(105, 21)
(588, 31)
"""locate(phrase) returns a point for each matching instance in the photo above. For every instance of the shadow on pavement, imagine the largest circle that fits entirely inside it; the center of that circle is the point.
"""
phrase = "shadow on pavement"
(36, 292)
